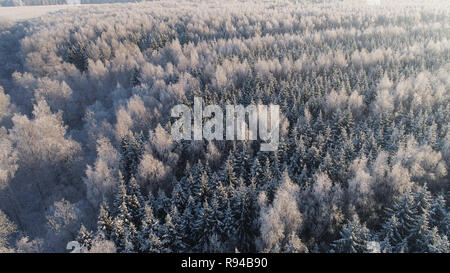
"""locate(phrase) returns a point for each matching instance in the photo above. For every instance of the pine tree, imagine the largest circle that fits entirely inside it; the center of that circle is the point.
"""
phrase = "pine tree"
(228, 230)
(267, 176)
(420, 233)
(297, 159)
(177, 240)
(276, 169)
(242, 163)
(195, 177)
(275, 183)
(124, 231)
(182, 190)
(217, 216)
(135, 202)
(420, 237)
(326, 166)
(85, 238)
(423, 201)
(228, 172)
(201, 228)
(437, 243)
(439, 216)
(162, 204)
(128, 242)
(187, 221)
(179, 196)
(149, 235)
(118, 234)
(256, 170)
(105, 222)
(204, 189)
(131, 151)
(397, 229)
(248, 228)
(214, 181)
(239, 210)
(171, 234)
(354, 238)
(220, 205)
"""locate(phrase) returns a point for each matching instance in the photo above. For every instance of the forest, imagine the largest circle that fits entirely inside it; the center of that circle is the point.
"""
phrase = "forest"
(362, 165)
(18, 3)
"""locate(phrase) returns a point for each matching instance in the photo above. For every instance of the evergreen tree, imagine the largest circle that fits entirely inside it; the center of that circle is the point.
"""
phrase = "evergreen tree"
(124, 232)
(228, 173)
(131, 151)
(85, 238)
(437, 243)
(267, 177)
(401, 220)
(187, 221)
(149, 234)
(243, 162)
(420, 234)
(440, 217)
(256, 171)
(248, 230)
(105, 222)
(201, 228)
(172, 239)
(354, 238)
(135, 202)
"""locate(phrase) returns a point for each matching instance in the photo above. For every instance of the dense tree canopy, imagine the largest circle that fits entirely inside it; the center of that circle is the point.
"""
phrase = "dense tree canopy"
(86, 152)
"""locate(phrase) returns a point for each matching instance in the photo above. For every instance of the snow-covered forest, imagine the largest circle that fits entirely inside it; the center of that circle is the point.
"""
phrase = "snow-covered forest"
(18, 3)
(363, 163)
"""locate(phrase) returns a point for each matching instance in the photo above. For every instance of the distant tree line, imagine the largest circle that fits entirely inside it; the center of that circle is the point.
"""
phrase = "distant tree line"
(17, 3)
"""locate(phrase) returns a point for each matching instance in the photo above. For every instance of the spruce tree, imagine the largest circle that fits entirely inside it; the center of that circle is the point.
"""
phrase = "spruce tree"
(170, 233)
(85, 238)
(401, 219)
(354, 238)
(105, 222)
(440, 216)
(131, 151)
(187, 222)
(149, 235)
